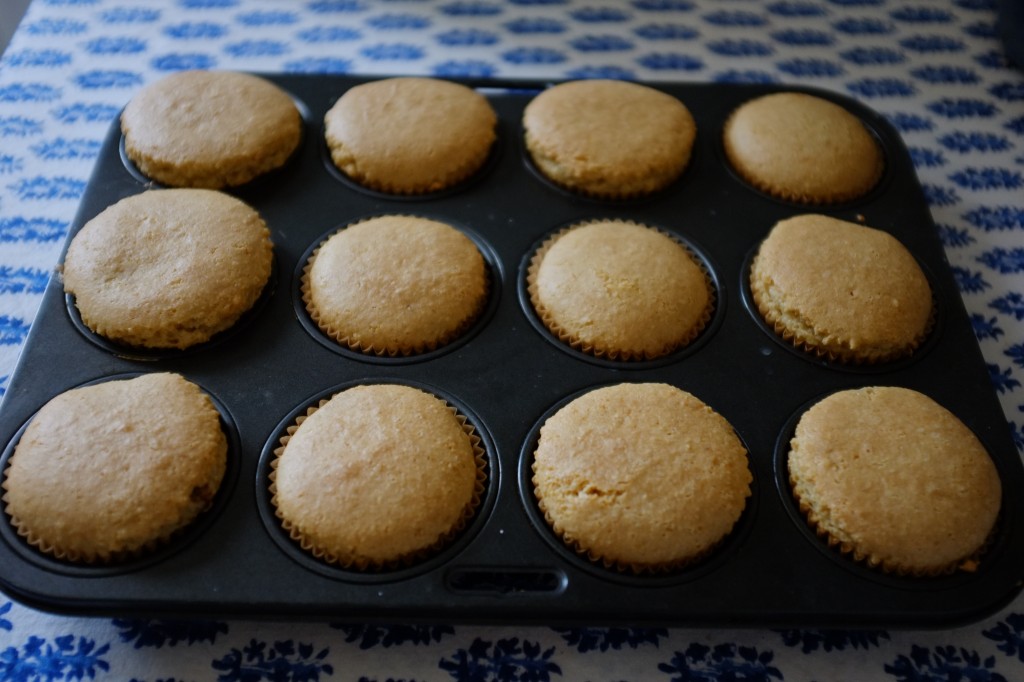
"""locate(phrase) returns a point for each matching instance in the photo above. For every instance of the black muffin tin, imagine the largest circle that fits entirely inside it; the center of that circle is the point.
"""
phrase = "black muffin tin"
(507, 374)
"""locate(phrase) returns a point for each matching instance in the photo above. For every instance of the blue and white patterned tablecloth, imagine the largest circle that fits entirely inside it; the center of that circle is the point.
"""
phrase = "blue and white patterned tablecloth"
(935, 69)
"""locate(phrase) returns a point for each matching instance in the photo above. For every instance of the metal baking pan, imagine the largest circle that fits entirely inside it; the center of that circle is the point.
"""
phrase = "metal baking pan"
(506, 374)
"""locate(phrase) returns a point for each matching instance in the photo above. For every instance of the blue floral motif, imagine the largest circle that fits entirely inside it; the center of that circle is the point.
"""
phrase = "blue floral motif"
(954, 237)
(1017, 432)
(936, 195)
(4, 610)
(1016, 354)
(156, 633)
(700, 663)
(1016, 125)
(471, 9)
(181, 61)
(29, 92)
(400, 52)
(605, 43)
(832, 640)
(866, 56)
(21, 229)
(13, 332)
(996, 218)
(319, 65)
(796, 9)
(932, 43)
(982, 29)
(670, 61)
(595, 15)
(1005, 261)
(37, 58)
(881, 87)
(56, 27)
(747, 76)
(328, 34)
(910, 123)
(257, 48)
(742, 47)
(1008, 92)
(208, 4)
(813, 68)
(982, 5)
(468, 68)
(666, 32)
(963, 108)
(926, 158)
(329, 6)
(23, 280)
(960, 141)
(986, 328)
(533, 3)
(804, 37)
(61, 149)
(281, 662)
(195, 30)
(534, 55)
(664, 5)
(863, 26)
(393, 22)
(993, 59)
(43, 188)
(63, 659)
(969, 282)
(987, 178)
(1010, 304)
(10, 164)
(85, 113)
(267, 18)
(594, 71)
(603, 639)
(370, 636)
(115, 45)
(102, 79)
(922, 15)
(130, 15)
(464, 37)
(944, 663)
(506, 660)
(538, 25)
(735, 18)
(953, 75)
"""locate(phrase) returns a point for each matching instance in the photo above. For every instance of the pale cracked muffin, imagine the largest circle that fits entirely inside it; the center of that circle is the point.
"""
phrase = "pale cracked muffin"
(803, 149)
(640, 477)
(893, 479)
(210, 129)
(410, 135)
(168, 268)
(378, 476)
(619, 290)
(395, 285)
(109, 471)
(841, 290)
(609, 139)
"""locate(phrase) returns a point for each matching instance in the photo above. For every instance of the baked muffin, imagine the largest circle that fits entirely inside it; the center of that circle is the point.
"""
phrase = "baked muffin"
(803, 149)
(895, 480)
(840, 290)
(609, 139)
(410, 135)
(210, 129)
(109, 471)
(377, 476)
(641, 477)
(619, 290)
(168, 268)
(395, 285)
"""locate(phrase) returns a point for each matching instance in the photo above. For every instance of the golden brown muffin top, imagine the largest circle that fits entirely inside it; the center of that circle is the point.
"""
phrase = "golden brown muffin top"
(108, 470)
(640, 476)
(210, 128)
(410, 135)
(609, 138)
(168, 268)
(802, 148)
(843, 289)
(377, 474)
(895, 479)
